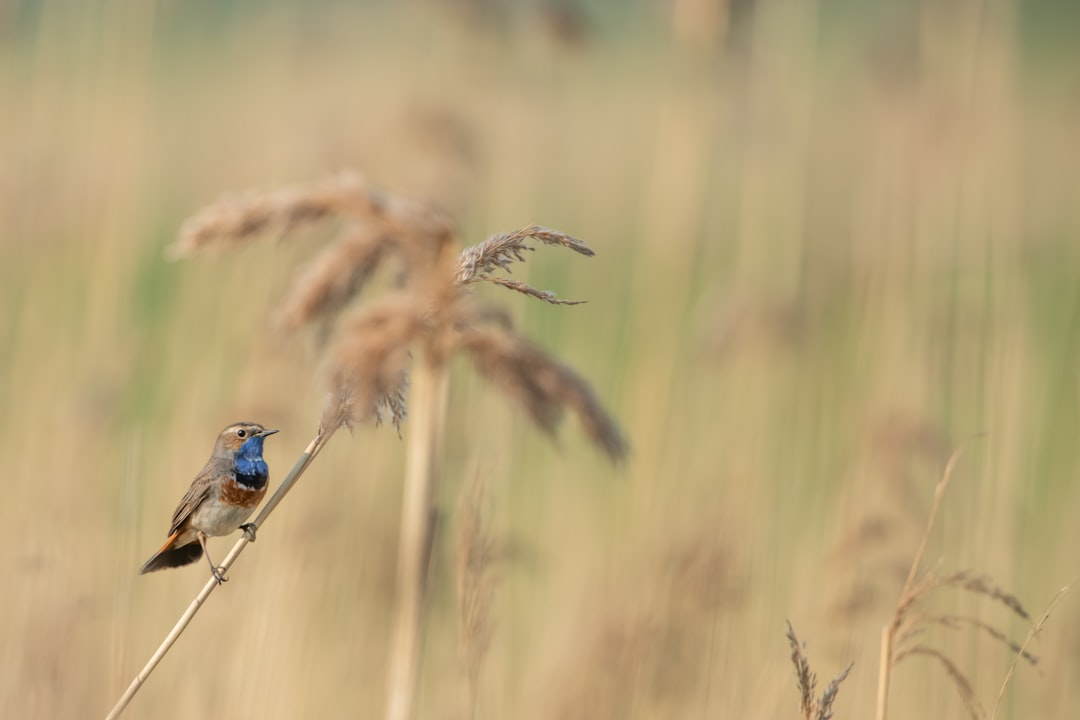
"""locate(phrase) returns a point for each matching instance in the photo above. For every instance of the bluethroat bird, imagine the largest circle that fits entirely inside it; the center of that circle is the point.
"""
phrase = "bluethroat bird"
(221, 497)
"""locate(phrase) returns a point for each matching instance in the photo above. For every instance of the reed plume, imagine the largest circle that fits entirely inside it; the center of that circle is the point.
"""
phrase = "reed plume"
(374, 351)
(237, 219)
(338, 274)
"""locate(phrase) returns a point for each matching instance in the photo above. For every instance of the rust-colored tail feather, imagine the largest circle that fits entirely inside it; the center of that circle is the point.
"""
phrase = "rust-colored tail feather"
(170, 556)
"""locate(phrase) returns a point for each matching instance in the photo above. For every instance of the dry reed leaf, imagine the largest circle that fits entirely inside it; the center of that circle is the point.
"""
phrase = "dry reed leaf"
(541, 384)
(332, 279)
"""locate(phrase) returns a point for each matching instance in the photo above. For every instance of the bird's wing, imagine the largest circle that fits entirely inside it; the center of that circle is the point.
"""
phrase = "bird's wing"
(200, 489)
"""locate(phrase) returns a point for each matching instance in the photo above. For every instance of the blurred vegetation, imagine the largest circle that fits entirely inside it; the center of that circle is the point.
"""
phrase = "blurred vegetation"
(835, 241)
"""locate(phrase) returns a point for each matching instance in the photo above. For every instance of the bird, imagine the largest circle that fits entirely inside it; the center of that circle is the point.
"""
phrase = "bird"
(220, 499)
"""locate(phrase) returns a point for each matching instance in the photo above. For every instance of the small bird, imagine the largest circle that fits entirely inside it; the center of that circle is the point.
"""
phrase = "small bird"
(221, 497)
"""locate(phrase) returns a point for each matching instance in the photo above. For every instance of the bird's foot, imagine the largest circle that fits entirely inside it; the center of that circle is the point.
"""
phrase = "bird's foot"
(219, 575)
(249, 531)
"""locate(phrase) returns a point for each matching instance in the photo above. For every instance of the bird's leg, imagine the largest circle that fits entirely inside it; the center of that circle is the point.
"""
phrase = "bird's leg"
(218, 574)
(249, 531)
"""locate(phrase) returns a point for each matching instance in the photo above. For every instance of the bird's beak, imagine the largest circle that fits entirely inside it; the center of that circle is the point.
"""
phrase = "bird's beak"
(264, 433)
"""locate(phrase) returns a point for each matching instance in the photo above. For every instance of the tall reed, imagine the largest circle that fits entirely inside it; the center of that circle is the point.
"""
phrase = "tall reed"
(372, 350)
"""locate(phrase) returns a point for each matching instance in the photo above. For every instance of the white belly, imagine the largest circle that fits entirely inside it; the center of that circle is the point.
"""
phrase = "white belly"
(216, 518)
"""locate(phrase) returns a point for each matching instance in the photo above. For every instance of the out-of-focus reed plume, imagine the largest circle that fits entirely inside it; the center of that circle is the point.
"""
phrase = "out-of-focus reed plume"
(334, 277)
(657, 652)
(367, 365)
(236, 219)
(872, 556)
(543, 386)
(475, 554)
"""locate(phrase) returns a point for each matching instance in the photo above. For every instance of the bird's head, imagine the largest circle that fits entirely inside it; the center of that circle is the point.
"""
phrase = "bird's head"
(241, 438)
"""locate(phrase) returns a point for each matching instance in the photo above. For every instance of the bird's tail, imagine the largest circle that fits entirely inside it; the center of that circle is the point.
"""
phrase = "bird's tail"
(170, 555)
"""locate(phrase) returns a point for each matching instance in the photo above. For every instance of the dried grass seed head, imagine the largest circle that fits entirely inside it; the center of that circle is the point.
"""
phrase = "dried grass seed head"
(367, 364)
(499, 252)
(812, 708)
(237, 219)
(806, 679)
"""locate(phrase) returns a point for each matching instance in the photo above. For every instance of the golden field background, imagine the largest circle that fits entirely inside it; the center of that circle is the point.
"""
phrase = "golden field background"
(834, 243)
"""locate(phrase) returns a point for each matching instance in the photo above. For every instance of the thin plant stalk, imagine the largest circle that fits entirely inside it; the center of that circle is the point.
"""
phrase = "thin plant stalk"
(427, 400)
(298, 469)
(884, 671)
(888, 632)
(1035, 629)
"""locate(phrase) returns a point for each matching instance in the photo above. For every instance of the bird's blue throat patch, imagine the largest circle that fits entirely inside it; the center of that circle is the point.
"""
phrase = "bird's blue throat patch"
(251, 469)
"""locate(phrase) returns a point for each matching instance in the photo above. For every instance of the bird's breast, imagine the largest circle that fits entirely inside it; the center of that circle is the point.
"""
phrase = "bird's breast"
(223, 514)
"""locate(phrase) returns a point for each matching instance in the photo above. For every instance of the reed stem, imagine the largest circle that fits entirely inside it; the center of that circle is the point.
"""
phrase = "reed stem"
(884, 672)
(427, 401)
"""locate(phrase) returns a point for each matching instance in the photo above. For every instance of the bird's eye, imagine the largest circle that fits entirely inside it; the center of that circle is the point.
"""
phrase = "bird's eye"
(241, 433)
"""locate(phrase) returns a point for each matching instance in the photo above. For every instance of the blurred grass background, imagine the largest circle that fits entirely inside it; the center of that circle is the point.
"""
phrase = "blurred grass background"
(835, 240)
